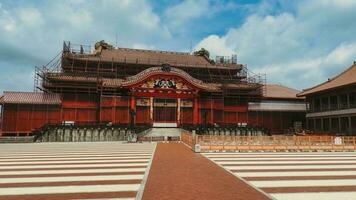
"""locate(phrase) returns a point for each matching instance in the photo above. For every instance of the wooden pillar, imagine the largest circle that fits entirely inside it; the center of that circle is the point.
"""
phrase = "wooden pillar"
(2, 118)
(17, 119)
(178, 111)
(113, 110)
(132, 103)
(151, 109)
(314, 121)
(133, 111)
(196, 112)
(350, 126)
(212, 111)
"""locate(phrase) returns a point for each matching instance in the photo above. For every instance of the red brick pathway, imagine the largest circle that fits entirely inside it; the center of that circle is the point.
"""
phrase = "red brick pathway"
(178, 173)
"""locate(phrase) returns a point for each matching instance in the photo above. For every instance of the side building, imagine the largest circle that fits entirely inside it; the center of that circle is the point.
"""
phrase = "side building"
(331, 105)
(280, 111)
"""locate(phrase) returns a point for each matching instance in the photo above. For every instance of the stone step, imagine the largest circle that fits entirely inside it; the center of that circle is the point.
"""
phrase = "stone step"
(168, 132)
(25, 139)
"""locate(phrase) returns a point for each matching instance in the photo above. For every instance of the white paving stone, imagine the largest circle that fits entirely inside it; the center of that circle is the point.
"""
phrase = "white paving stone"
(282, 166)
(304, 183)
(68, 189)
(68, 162)
(316, 196)
(71, 178)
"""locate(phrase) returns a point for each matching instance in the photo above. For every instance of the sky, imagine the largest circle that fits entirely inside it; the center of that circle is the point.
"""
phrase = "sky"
(296, 43)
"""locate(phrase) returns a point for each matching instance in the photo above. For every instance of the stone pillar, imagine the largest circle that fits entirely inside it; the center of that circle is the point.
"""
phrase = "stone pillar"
(196, 112)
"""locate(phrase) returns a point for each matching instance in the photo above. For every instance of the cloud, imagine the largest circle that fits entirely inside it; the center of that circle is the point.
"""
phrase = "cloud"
(217, 46)
(182, 18)
(297, 43)
(180, 14)
(299, 47)
(32, 32)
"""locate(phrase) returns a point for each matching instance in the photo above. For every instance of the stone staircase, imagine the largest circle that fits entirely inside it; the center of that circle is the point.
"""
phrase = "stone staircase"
(163, 132)
(11, 139)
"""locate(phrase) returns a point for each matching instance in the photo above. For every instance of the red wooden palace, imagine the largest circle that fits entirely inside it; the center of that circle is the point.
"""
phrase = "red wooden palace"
(121, 86)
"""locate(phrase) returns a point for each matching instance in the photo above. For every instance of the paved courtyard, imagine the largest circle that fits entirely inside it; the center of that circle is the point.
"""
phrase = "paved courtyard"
(295, 176)
(73, 170)
(116, 170)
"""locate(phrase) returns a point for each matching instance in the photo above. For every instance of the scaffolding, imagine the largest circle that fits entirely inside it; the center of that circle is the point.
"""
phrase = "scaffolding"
(77, 68)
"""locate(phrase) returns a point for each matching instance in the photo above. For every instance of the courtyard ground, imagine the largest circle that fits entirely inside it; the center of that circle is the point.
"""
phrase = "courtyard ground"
(53, 171)
(295, 176)
(116, 170)
(178, 173)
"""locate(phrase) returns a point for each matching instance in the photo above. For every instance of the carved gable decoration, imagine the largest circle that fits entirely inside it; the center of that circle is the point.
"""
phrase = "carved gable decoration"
(166, 83)
(166, 77)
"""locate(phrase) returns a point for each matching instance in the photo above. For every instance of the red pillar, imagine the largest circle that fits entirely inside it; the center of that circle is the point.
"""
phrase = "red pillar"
(196, 112)
(133, 106)
(132, 111)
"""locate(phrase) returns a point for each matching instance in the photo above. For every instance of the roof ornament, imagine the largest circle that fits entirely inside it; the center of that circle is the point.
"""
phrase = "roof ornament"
(102, 45)
(166, 68)
(202, 52)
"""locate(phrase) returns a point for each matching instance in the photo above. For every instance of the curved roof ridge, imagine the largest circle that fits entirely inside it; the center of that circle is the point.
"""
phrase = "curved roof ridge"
(330, 80)
(278, 84)
(279, 91)
(152, 50)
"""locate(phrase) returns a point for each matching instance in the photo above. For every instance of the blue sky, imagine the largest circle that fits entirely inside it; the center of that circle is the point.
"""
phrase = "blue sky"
(297, 43)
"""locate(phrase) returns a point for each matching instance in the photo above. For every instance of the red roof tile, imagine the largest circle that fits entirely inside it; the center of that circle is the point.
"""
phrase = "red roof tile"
(153, 57)
(31, 98)
(275, 91)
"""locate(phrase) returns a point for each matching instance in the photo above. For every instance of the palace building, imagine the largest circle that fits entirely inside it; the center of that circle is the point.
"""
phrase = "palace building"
(332, 104)
(135, 87)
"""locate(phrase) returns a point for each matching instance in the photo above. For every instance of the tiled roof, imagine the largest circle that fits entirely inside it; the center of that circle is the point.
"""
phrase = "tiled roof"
(66, 77)
(152, 57)
(348, 77)
(275, 91)
(31, 98)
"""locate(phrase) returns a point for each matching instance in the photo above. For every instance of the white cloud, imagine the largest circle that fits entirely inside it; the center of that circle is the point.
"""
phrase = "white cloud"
(217, 46)
(32, 33)
(299, 48)
(30, 17)
(188, 10)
